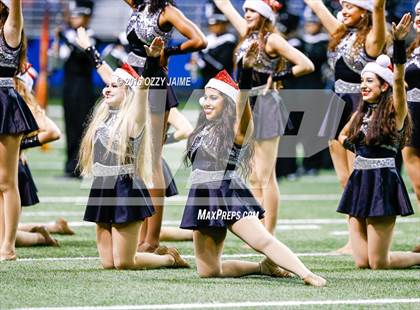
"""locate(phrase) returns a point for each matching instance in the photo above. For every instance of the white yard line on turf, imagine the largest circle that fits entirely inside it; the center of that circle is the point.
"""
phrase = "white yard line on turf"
(182, 199)
(29, 214)
(229, 256)
(246, 304)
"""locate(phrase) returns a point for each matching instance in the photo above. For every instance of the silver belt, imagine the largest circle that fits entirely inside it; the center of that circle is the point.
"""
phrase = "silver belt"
(199, 176)
(7, 82)
(341, 87)
(100, 170)
(362, 163)
(413, 95)
(135, 60)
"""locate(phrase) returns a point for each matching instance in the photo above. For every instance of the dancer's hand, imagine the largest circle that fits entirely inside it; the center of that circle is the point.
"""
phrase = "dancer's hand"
(156, 48)
(251, 55)
(83, 38)
(401, 31)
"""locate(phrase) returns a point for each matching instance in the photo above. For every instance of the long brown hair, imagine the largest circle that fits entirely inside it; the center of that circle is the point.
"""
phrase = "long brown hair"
(382, 127)
(414, 45)
(4, 14)
(223, 133)
(363, 28)
(265, 27)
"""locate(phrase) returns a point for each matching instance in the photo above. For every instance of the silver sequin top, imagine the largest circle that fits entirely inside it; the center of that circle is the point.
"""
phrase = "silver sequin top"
(264, 64)
(9, 57)
(146, 25)
(105, 147)
(415, 58)
(205, 154)
(356, 60)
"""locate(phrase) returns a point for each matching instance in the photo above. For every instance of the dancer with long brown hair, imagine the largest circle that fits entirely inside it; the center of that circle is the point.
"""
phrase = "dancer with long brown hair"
(357, 40)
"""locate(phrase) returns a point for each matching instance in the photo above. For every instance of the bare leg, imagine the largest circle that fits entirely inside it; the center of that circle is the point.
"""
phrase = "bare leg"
(411, 158)
(343, 163)
(263, 181)
(104, 244)
(60, 227)
(250, 230)
(9, 156)
(38, 236)
(208, 248)
(359, 241)
(1, 219)
(380, 233)
(124, 246)
(175, 234)
(154, 223)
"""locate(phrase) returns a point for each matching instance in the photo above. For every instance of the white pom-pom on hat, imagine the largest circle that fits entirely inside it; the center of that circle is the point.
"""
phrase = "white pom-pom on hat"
(381, 67)
(384, 61)
(417, 6)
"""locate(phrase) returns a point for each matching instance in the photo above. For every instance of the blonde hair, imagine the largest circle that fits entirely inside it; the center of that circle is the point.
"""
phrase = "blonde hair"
(121, 130)
(30, 100)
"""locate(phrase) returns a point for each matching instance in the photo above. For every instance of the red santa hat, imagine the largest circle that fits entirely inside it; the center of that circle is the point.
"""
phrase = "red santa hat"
(127, 74)
(224, 83)
(266, 8)
(28, 76)
(381, 67)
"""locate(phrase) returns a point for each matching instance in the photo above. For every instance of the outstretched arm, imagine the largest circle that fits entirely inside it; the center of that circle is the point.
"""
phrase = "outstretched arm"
(399, 33)
(85, 42)
(195, 38)
(238, 22)
(277, 46)
(375, 40)
(14, 24)
(325, 16)
(141, 94)
(130, 3)
(182, 126)
(244, 125)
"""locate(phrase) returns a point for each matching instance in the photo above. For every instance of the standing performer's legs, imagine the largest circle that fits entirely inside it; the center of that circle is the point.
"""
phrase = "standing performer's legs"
(9, 156)
(264, 182)
(154, 223)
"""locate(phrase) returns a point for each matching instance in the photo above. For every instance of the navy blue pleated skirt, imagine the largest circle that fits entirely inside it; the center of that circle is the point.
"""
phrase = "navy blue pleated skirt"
(171, 188)
(118, 200)
(375, 193)
(15, 116)
(219, 204)
(414, 108)
(27, 187)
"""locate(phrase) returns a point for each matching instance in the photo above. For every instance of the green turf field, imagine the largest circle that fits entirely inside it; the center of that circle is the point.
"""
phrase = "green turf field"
(71, 276)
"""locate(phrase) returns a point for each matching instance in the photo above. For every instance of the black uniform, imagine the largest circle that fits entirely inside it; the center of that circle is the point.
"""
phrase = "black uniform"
(78, 95)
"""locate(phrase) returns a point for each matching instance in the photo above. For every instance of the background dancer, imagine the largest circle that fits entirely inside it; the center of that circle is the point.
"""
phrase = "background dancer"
(78, 88)
(258, 25)
(151, 18)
